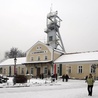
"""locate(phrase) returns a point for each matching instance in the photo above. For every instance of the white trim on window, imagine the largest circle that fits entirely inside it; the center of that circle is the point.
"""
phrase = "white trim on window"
(38, 58)
(79, 69)
(32, 70)
(45, 57)
(70, 69)
(38, 48)
(32, 58)
(45, 70)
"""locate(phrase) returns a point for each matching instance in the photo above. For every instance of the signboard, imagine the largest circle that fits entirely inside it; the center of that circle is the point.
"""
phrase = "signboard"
(37, 52)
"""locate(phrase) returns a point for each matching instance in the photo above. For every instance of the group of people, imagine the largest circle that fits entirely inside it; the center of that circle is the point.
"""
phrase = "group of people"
(65, 77)
(89, 80)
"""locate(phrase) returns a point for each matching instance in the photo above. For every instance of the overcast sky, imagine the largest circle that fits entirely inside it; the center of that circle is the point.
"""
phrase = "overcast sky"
(22, 23)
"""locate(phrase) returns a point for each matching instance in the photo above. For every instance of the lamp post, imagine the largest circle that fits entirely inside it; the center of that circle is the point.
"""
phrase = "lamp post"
(15, 60)
(52, 62)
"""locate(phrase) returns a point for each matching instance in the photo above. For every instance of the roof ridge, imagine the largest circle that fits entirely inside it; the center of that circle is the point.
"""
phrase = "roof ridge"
(81, 52)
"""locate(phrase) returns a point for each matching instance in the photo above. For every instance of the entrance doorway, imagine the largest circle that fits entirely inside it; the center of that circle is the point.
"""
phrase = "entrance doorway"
(9, 70)
(38, 72)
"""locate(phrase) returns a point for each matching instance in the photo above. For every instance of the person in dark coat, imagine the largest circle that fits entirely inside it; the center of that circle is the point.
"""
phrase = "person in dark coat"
(42, 75)
(52, 78)
(66, 77)
(86, 77)
(56, 76)
(63, 77)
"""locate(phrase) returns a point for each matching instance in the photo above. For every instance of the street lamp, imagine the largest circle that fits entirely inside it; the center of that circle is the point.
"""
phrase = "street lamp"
(15, 60)
(52, 61)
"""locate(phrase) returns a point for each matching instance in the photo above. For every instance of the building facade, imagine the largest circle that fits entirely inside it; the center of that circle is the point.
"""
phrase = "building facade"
(39, 60)
(45, 59)
(79, 65)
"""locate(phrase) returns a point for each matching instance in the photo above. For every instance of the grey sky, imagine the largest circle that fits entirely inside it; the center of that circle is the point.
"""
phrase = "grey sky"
(22, 23)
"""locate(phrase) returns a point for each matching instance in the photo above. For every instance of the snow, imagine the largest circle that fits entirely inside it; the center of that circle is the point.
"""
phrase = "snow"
(10, 61)
(67, 58)
(37, 88)
(78, 57)
(20, 61)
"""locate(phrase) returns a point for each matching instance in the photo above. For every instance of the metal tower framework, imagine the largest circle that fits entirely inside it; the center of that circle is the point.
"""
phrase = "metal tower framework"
(53, 35)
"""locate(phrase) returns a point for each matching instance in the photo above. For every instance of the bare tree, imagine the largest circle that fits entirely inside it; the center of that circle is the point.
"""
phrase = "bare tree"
(14, 52)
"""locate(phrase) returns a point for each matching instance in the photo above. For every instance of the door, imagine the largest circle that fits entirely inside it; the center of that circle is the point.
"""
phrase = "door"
(38, 72)
(9, 70)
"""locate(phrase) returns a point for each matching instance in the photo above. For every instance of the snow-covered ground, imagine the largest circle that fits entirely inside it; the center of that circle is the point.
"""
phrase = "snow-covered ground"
(37, 88)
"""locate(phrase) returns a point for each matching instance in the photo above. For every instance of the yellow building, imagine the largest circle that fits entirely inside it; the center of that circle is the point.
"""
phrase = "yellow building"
(52, 58)
(79, 65)
(39, 60)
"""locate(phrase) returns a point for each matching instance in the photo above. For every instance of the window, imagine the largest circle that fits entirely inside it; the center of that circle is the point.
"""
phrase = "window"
(79, 69)
(69, 70)
(4, 71)
(50, 38)
(38, 48)
(45, 51)
(93, 69)
(46, 58)
(38, 58)
(31, 58)
(31, 70)
(22, 71)
(45, 70)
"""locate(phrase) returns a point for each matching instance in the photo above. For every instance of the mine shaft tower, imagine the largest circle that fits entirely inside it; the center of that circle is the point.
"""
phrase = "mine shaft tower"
(53, 35)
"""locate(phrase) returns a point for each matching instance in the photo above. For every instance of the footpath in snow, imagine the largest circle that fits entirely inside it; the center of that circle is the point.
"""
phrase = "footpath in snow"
(37, 88)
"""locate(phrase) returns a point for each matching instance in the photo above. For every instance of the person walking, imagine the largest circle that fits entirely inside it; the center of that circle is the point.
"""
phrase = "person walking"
(63, 77)
(90, 82)
(66, 77)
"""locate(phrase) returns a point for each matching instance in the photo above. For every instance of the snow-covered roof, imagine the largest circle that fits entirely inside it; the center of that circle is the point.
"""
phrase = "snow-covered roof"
(20, 61)
(11, 61)
(78, 57)
(39, 42)
(37, 62)
(67, 58)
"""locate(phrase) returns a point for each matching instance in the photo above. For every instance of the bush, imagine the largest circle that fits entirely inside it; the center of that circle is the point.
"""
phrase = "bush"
(20, 79)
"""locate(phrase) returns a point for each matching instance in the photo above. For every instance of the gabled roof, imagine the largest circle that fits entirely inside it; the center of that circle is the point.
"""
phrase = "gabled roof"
(78, 57)
(10, 61)
(39, 42)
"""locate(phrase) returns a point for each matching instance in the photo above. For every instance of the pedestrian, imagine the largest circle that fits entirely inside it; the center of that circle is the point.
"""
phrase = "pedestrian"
(90, 82)
(63, 77)
(42, 75)
(52, 78)
(66, 77)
